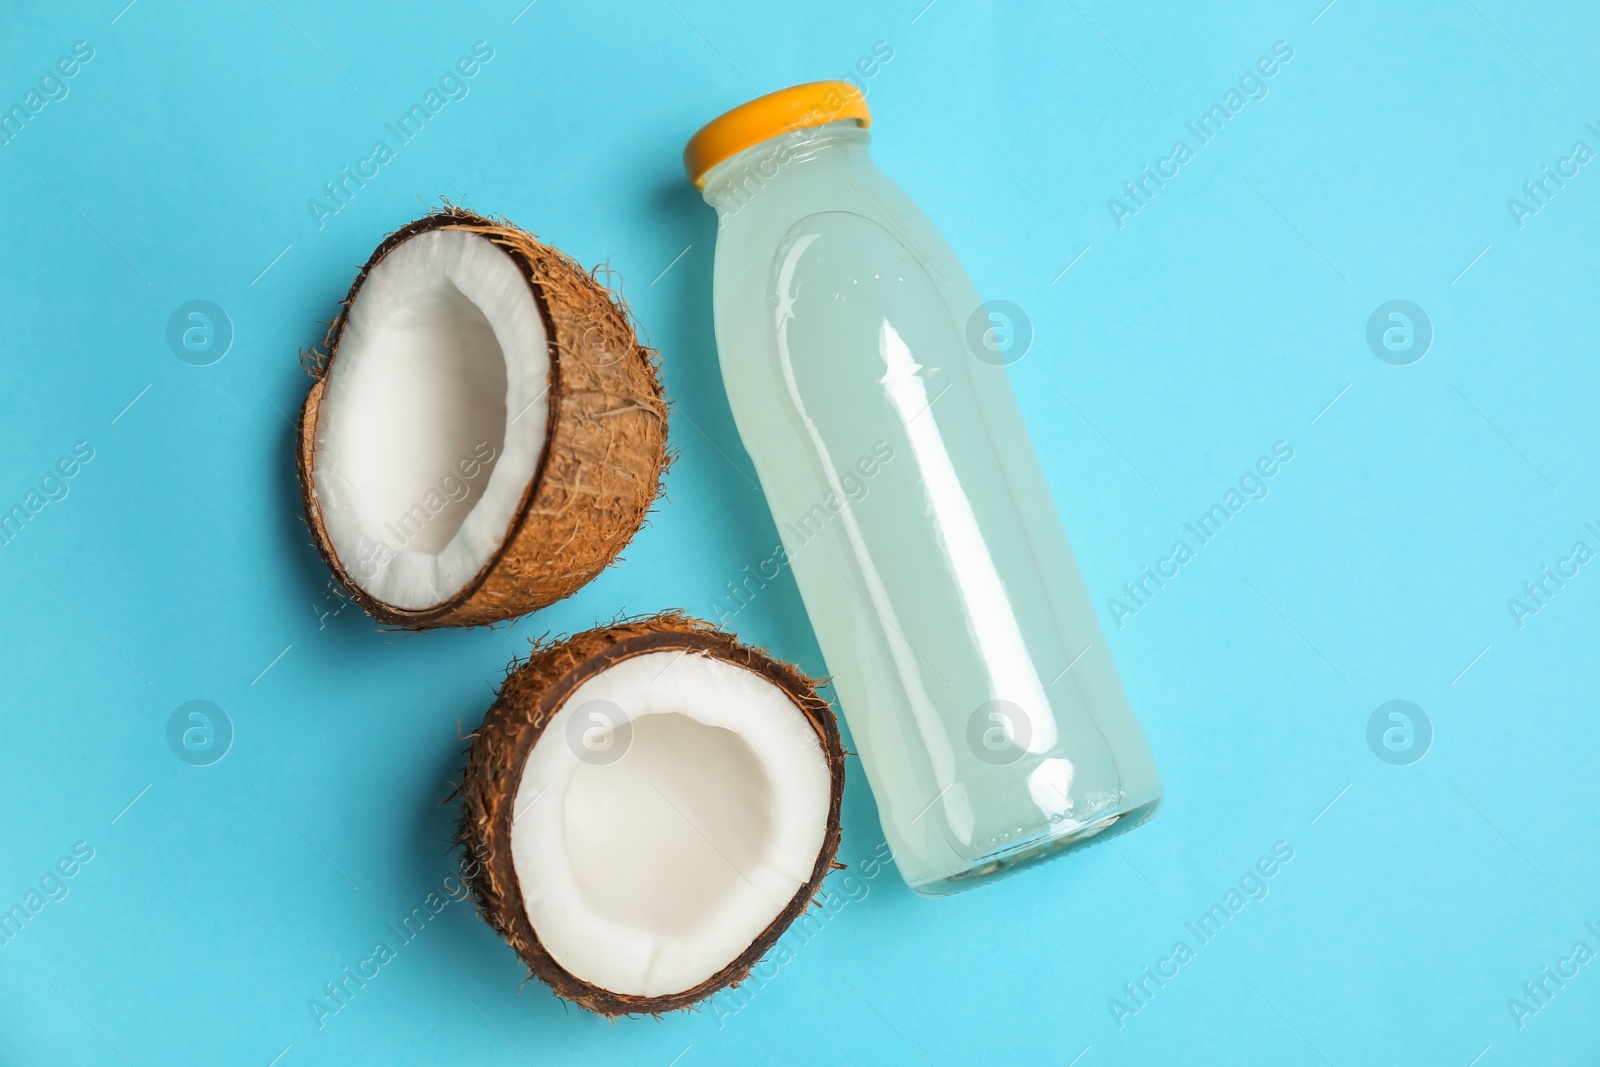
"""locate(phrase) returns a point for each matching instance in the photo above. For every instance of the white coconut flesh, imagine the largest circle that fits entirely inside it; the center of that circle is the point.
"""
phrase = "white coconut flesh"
(648, 872)
(433, 416)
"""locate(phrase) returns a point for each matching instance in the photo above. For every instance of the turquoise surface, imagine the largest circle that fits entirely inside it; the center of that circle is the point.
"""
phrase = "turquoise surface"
(1434, 886)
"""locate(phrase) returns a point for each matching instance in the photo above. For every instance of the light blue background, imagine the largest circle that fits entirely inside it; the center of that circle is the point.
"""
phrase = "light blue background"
(1226, 315)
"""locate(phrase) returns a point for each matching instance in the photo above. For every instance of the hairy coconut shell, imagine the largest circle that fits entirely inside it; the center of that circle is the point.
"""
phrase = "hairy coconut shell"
(530, 696)
(605, 444)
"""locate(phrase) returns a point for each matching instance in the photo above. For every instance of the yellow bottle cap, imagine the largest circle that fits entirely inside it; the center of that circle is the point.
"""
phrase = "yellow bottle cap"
(798, 107)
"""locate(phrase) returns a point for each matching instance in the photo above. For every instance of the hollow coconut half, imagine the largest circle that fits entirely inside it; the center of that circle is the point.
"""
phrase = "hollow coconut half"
(485, 433)
(653, 804)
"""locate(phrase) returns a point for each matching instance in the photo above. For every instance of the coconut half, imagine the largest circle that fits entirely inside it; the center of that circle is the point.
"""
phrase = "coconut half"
(486, 432)
(657, 803)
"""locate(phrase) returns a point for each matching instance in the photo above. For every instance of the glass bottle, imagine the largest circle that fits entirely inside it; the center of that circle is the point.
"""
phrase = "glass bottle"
(868, 385)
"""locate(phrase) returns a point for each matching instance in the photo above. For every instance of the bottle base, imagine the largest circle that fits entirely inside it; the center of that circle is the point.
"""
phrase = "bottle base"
(1039, 848)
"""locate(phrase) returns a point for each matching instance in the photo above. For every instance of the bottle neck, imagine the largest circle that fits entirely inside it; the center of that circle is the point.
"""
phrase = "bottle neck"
(732, 184)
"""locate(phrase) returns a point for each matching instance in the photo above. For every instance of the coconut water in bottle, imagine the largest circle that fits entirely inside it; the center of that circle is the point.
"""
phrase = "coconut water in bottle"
(864, 377)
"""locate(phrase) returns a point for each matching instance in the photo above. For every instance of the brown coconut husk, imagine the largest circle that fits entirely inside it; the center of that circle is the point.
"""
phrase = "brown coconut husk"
(605, 444)
(530, 696)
